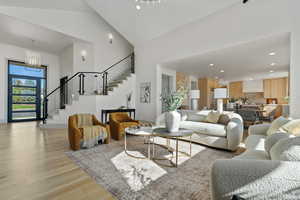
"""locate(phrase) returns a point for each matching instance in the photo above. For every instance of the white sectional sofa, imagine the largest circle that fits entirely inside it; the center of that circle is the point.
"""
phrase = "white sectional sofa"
(221, 136)
(256, 174)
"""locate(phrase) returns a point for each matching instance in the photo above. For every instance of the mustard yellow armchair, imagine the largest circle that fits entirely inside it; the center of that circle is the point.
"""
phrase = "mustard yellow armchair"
(118, 122)
(76, 132)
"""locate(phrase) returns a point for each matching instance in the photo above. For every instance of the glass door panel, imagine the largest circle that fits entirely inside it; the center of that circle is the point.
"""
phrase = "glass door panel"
(26, 88)
(24, 82)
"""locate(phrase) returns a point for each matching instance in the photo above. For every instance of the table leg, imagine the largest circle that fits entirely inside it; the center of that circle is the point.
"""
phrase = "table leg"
(125, 142)
(190, 146)
(149, 148)
(153, 146)
(176, 152)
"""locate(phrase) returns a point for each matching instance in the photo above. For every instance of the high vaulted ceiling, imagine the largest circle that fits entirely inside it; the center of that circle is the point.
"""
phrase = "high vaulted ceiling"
(242, 62)
(19, 33)
(154, 20)
(71, 5)
(137, 26)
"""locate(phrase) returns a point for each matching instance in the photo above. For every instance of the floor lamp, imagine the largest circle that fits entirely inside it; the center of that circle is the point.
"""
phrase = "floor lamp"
(220, 94)
(194, 96)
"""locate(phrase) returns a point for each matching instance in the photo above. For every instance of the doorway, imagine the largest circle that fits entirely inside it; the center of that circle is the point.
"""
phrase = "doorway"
(166, 88)
(26, 89)
(63, 92)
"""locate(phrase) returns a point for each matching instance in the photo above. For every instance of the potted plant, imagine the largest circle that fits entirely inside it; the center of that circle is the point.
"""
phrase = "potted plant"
(231, 103)
(244, 100)
(172, 102)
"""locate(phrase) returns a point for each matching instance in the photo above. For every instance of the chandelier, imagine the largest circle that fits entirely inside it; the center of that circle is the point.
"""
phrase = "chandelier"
(33, 58)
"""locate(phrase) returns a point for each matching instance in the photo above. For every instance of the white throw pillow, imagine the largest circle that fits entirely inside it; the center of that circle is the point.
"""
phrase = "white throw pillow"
(277, 124)
(286, 150)
(292, 127)
(213, 117)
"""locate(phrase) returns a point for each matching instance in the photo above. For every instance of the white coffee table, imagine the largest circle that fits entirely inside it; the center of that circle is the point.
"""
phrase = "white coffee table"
(147, 133)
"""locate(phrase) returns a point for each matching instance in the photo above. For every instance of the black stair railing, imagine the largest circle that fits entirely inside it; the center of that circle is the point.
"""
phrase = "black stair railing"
(82, 76)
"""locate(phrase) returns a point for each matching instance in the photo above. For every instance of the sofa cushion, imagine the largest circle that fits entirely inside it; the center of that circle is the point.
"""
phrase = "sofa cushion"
(255, 142)
(273, 139)
(292, 127)
(276, 125)
(286, 149)
(253, 155)
(196, 117)
(218, 130)
(213, 117)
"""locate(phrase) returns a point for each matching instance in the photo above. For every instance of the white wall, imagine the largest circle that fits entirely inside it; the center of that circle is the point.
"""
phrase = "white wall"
(66, 59)
(295, 60)
(84, 66)
(87, 26)
(9, 52)
(235, 25)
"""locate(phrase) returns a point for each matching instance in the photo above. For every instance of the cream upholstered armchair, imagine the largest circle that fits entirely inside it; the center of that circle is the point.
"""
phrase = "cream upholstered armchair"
(76, 129)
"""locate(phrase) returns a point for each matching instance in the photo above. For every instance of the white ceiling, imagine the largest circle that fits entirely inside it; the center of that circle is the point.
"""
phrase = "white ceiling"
(71, 5)
(154, 20)
(242, 62)
(21, 34)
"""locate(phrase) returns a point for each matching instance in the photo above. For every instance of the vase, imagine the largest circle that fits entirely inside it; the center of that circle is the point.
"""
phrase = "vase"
(172, 119)
(128, 104)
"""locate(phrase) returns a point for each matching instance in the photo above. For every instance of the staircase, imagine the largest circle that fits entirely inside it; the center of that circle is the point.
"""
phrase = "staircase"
(115, 84)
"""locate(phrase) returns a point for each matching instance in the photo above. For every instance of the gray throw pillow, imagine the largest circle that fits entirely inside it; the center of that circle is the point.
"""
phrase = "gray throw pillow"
(224, 119)
(273, 139)
(286, 150)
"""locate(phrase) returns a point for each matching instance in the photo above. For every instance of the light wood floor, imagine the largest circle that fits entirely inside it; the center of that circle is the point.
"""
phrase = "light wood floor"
(33, 166)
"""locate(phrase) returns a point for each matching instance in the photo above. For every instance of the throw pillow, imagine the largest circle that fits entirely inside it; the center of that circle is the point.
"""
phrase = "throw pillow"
(273, 139)
(213, 117)
(224, 119)
(292, 127)
(286, 150)
(276, 125)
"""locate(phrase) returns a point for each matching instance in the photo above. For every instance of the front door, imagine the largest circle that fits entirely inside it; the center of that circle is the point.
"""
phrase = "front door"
(63, 92)
(26, 88)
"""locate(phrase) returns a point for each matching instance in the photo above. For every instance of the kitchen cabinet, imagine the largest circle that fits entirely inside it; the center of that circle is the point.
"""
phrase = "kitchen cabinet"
(206, 87)
(236, 89)
(277, 88)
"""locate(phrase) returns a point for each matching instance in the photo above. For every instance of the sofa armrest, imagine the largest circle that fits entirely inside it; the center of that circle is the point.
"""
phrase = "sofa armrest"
(235, 131)
(255, 179)
(260, 129)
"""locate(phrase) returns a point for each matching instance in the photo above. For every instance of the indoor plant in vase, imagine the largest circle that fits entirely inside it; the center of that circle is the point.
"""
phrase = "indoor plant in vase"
(172, 102)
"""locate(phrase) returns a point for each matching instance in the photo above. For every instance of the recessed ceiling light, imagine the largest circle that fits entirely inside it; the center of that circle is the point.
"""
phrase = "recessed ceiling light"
(251, 79)
(272, 53)
(222, 71)
(273, 64)
(211, 64)
(138, 7)
(271, 71)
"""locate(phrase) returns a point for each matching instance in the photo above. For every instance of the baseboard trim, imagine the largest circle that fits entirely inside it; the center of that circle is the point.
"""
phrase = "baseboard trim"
(3, 121)
(52, 126)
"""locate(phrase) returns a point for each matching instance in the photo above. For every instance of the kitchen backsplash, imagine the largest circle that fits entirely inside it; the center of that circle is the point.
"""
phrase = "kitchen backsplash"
(255, 98)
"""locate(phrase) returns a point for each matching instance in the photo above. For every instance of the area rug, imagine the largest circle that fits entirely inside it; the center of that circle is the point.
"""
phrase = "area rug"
(129, 178)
